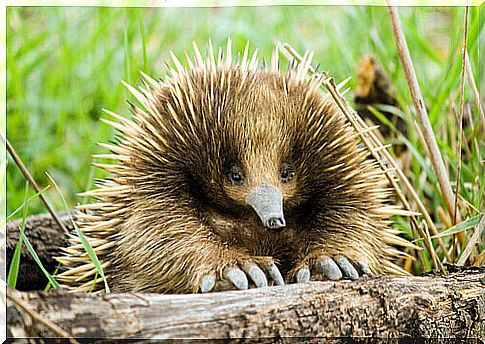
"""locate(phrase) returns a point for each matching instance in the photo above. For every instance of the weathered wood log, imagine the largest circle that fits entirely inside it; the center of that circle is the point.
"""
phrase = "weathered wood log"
(46, 238)
(448, 306)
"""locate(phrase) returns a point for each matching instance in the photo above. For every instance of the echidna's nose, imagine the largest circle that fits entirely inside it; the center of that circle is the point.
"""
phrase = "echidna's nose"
(275, 223)
(267, 201)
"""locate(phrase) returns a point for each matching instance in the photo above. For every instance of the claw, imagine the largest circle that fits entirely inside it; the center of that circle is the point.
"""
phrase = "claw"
(327, 266)
(346, 267)
(257, 275)
(364, 267)
(275, 274)
(303, 275)
(238, 278)
(208, 283)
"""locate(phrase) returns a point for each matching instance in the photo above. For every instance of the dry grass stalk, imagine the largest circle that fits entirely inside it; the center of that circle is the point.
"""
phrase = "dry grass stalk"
(376, 149)
(460, 236)
(422, 113)
(37, 317)
(473, 86)
(31, 181)
(472, 242)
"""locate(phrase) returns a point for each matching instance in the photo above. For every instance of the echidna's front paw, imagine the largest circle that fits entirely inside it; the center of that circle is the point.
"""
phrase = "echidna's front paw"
(242, 276)
(332, 268)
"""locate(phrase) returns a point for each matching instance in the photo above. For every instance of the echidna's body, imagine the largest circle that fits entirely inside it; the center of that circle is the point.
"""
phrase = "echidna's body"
(202, 170)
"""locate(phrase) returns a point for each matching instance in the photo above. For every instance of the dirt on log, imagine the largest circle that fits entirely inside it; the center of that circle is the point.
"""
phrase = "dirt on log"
(431, 306)
(447, 306)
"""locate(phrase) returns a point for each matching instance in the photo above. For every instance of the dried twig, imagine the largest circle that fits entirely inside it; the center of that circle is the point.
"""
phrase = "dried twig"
(31, 181)
(374, 146)
(422, 113)
(37, 317)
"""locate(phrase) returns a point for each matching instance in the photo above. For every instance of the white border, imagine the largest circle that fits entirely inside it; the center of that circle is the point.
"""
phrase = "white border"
(145, 3)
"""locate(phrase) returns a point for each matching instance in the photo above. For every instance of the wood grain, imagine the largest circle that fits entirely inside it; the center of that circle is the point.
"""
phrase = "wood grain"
(448, 306)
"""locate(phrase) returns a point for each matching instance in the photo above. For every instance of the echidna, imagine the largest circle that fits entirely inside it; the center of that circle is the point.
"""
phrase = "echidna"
(233, 175)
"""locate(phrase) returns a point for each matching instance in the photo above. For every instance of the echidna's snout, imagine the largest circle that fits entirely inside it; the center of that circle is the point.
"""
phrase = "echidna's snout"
(267, 201)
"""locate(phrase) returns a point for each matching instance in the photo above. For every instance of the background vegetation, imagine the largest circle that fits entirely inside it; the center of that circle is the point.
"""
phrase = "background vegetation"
(65, 64)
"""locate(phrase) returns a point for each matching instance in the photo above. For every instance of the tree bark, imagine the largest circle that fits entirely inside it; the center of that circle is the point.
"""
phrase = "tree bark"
(447, 306)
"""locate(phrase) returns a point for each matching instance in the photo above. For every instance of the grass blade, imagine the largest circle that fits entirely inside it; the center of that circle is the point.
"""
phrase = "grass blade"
(465, 254)
(467, 224)
(49, 285)
(13, 271)
(31, 180)
(9, 217)
(34, 255)
(86, 244)
(143, 42)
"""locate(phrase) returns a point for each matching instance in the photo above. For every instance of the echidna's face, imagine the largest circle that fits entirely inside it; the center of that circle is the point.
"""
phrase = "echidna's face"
(259, 170)
(264, 186)
(248, 144)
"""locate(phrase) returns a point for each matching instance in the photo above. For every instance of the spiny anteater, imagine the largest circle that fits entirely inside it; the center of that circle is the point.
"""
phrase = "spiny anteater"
(231, 175)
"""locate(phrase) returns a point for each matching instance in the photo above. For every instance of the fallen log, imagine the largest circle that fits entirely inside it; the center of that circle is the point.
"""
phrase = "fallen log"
(446, 306)
(46, 238)
(450, 306)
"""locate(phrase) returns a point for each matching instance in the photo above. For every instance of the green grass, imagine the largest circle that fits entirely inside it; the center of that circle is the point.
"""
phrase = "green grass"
(65, 64)
(13, 270)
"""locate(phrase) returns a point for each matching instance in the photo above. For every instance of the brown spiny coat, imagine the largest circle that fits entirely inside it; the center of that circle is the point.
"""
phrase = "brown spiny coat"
(169, 215)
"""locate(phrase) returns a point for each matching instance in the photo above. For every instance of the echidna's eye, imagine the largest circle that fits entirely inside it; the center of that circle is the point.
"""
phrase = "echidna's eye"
(235, 175)
(286, 172)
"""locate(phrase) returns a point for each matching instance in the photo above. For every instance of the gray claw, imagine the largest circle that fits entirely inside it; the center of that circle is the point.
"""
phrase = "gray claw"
(208, 283)
(346, 267)
(364, 267)
(257, 275)
(327, 266)
(275, 274)
(238, 278)
(303, 275)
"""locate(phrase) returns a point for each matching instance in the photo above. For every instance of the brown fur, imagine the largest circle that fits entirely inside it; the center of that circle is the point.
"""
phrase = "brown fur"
(169, 215)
